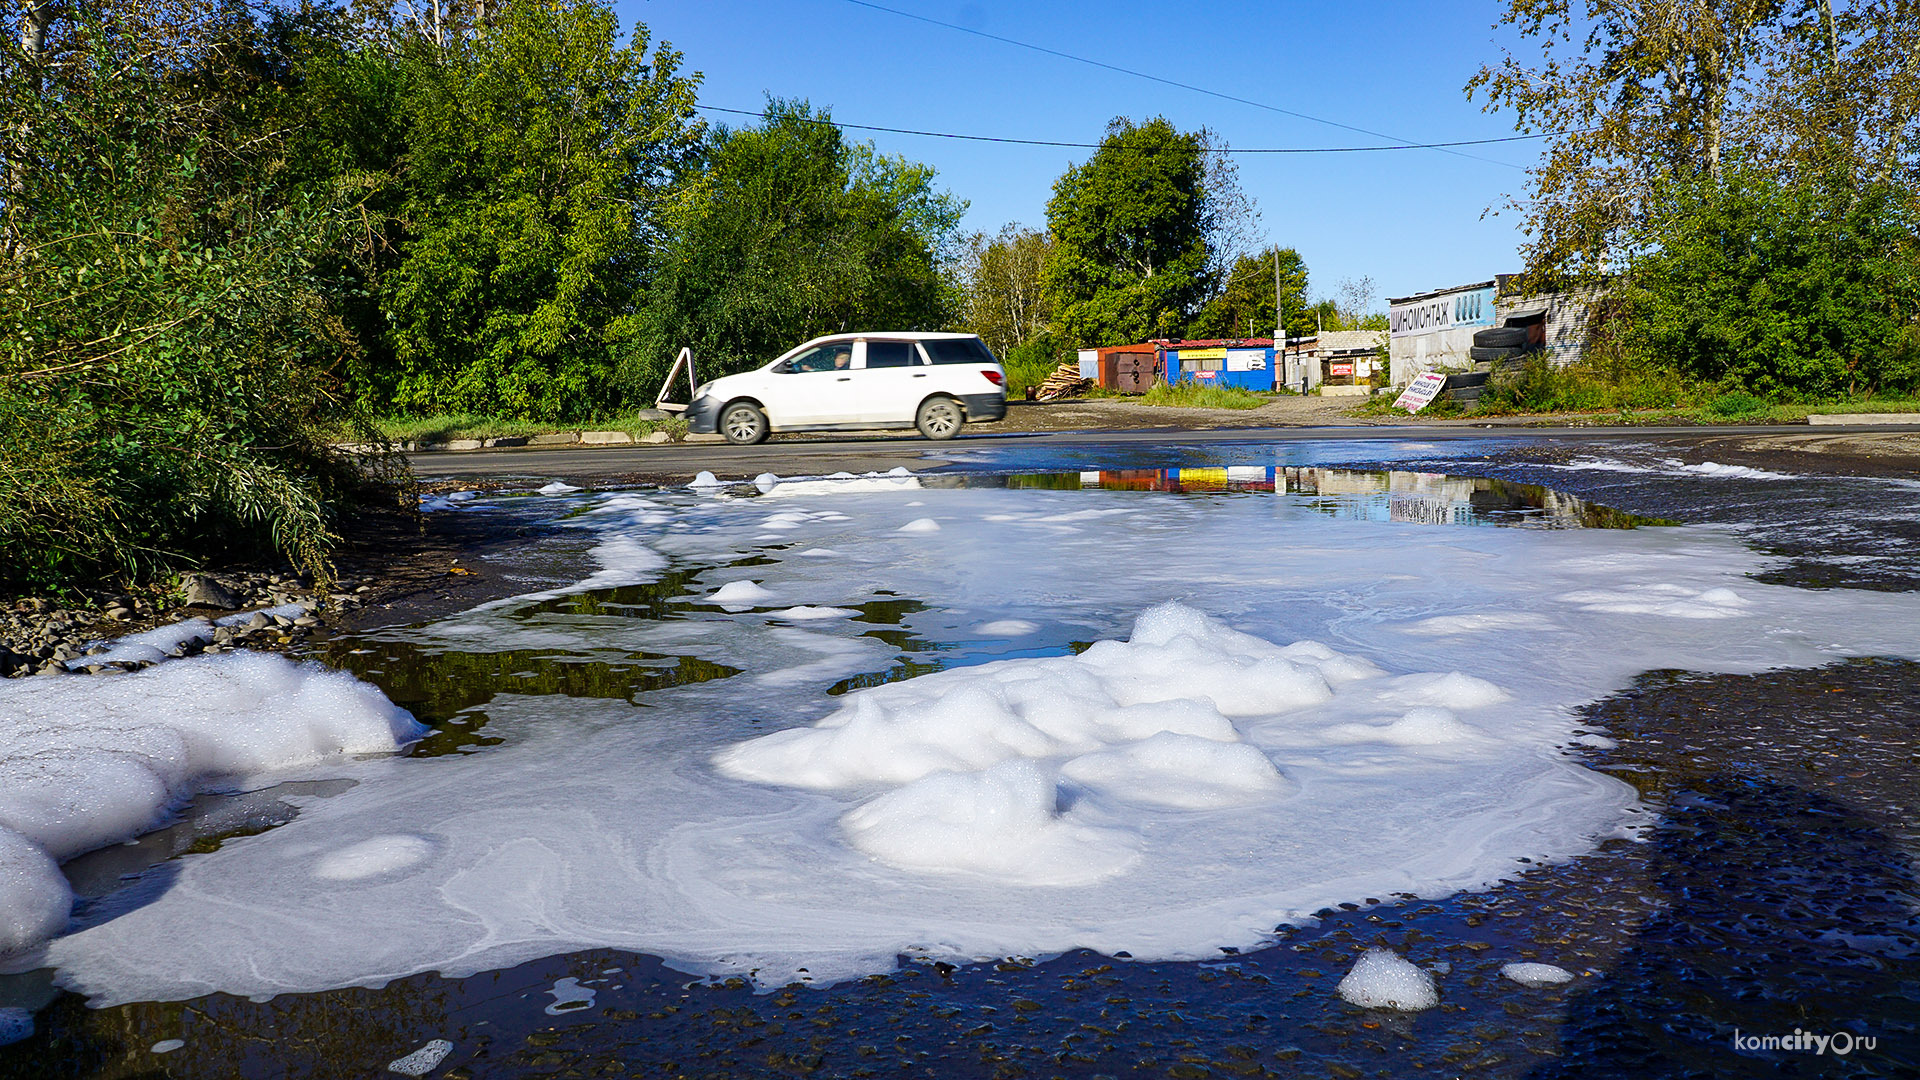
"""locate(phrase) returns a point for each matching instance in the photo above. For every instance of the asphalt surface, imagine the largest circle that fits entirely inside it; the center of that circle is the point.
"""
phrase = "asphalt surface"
(818, 456)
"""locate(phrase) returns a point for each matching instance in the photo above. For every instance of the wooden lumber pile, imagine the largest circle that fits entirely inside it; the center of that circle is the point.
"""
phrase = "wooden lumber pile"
(1064, 382)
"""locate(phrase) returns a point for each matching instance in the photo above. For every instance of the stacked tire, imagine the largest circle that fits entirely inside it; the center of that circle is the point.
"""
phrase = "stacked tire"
(1498, 343)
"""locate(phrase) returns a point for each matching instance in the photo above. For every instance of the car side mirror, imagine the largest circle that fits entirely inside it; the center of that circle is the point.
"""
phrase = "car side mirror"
(783, 368)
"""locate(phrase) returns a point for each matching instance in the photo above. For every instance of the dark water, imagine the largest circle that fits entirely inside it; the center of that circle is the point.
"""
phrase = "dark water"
(1773, 890)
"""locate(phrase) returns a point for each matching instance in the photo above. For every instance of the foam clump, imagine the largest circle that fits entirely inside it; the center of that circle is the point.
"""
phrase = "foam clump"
(374, 857)
(34, 895)
(1381, 979)
(422, 1061)
(86, 763)
(1663, 599)
(1537, 975)
(740, 594)
(557, 487)
(976, 755)
(706, 481)
(810, 613)
(921, 525)
(1002, 821)
(1180, 772)
(1007, 628)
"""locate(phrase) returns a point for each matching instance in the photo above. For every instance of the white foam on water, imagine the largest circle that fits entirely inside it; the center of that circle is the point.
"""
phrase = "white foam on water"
(1537, 975)
(1018, 806)
(34, 895)
(158, 644)
(374, 857)
(1732, 472)
(706, 481)
(422, 1061)
(16, 1025)
(90, 762)
(740, 594)
(810, 613)
(1007, 628)
(920, 525)
(1381, 979)
(557, 487)
(166, 1046)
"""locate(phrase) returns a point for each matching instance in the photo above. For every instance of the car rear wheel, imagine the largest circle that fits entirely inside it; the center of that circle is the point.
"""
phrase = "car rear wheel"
(743, 424)
(939, 418)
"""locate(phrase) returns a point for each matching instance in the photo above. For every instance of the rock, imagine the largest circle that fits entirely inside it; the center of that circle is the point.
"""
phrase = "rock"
(282, 620)
(306, 620)
(119, 614)
(204, 590)
(259, 620)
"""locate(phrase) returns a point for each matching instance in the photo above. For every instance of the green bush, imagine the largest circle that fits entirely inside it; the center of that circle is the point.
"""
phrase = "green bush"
(1593, 385)
(1803, 290)
(1737, 403)
(166, 339)
(1029, 364)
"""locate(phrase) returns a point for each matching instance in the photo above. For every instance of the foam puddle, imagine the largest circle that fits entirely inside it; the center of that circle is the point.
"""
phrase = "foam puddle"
(1339, 710)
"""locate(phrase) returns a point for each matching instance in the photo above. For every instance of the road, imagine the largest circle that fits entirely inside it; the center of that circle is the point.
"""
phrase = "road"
(1001, 452)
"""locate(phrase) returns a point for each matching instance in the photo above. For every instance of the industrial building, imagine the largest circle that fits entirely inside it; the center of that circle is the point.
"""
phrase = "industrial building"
(1333, 362)
(1434, 331)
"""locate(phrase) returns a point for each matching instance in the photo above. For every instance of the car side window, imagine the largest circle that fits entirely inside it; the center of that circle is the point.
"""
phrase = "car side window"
(958, 351)
(890, 354)
(824, 358)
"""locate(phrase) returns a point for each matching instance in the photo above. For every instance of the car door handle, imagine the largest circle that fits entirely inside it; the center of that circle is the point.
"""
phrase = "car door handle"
(919, 374)
(844, 378)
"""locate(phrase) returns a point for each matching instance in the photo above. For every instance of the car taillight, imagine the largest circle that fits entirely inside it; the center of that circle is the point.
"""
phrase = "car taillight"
(995, 378)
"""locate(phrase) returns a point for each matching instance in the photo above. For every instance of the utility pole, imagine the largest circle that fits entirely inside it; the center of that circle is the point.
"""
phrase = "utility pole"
(1279, 324)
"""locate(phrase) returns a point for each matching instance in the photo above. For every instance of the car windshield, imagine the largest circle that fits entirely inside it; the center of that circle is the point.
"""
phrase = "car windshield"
(967, 350)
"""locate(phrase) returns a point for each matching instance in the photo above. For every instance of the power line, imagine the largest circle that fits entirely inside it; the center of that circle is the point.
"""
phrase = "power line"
(1442, 147)
(1096, 146)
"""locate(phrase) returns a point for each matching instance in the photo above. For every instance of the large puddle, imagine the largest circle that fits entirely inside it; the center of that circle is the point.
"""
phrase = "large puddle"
(811, 732)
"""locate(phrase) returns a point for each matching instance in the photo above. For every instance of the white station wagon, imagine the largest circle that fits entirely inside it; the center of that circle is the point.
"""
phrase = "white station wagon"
(849, 382)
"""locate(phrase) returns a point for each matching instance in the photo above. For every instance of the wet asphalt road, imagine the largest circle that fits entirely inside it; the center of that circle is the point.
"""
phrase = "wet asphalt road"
(1012, 450)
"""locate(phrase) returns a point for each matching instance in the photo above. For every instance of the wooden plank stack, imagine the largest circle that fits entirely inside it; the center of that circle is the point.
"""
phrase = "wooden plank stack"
(1064, 382)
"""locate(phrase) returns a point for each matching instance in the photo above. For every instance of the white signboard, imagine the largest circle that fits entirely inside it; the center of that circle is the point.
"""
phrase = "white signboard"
(1420, 392)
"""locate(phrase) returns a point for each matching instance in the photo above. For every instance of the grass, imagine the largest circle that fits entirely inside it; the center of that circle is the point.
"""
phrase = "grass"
(1188, 395)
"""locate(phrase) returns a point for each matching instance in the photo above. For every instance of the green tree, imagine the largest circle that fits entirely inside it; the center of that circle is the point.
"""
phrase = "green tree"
(537, 151)
(1638, 95)
(1244, 306)
(1002, 298)
(167, 337)
(1807, 289)
(784, 232)
(1131, 231)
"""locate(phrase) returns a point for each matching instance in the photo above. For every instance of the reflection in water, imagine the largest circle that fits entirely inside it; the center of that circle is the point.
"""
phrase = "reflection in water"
(1370, 495)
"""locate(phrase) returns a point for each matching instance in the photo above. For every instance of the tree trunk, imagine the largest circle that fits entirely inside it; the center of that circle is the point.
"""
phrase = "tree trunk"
(36, 24)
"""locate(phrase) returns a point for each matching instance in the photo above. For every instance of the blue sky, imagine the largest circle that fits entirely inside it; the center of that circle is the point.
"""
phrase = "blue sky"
(1410, 220)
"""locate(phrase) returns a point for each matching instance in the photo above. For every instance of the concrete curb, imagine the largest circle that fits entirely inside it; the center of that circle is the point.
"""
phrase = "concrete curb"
(1864, 419)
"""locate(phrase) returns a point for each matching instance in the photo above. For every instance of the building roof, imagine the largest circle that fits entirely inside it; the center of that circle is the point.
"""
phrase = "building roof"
(1417, 297)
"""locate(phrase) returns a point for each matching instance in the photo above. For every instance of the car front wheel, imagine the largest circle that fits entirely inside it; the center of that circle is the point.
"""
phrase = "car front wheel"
(743, 424)
(939, 418)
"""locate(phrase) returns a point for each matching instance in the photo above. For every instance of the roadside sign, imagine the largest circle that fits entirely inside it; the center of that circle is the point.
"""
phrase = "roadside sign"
(1339, 369)
(1205, 374)
(1420, 392)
